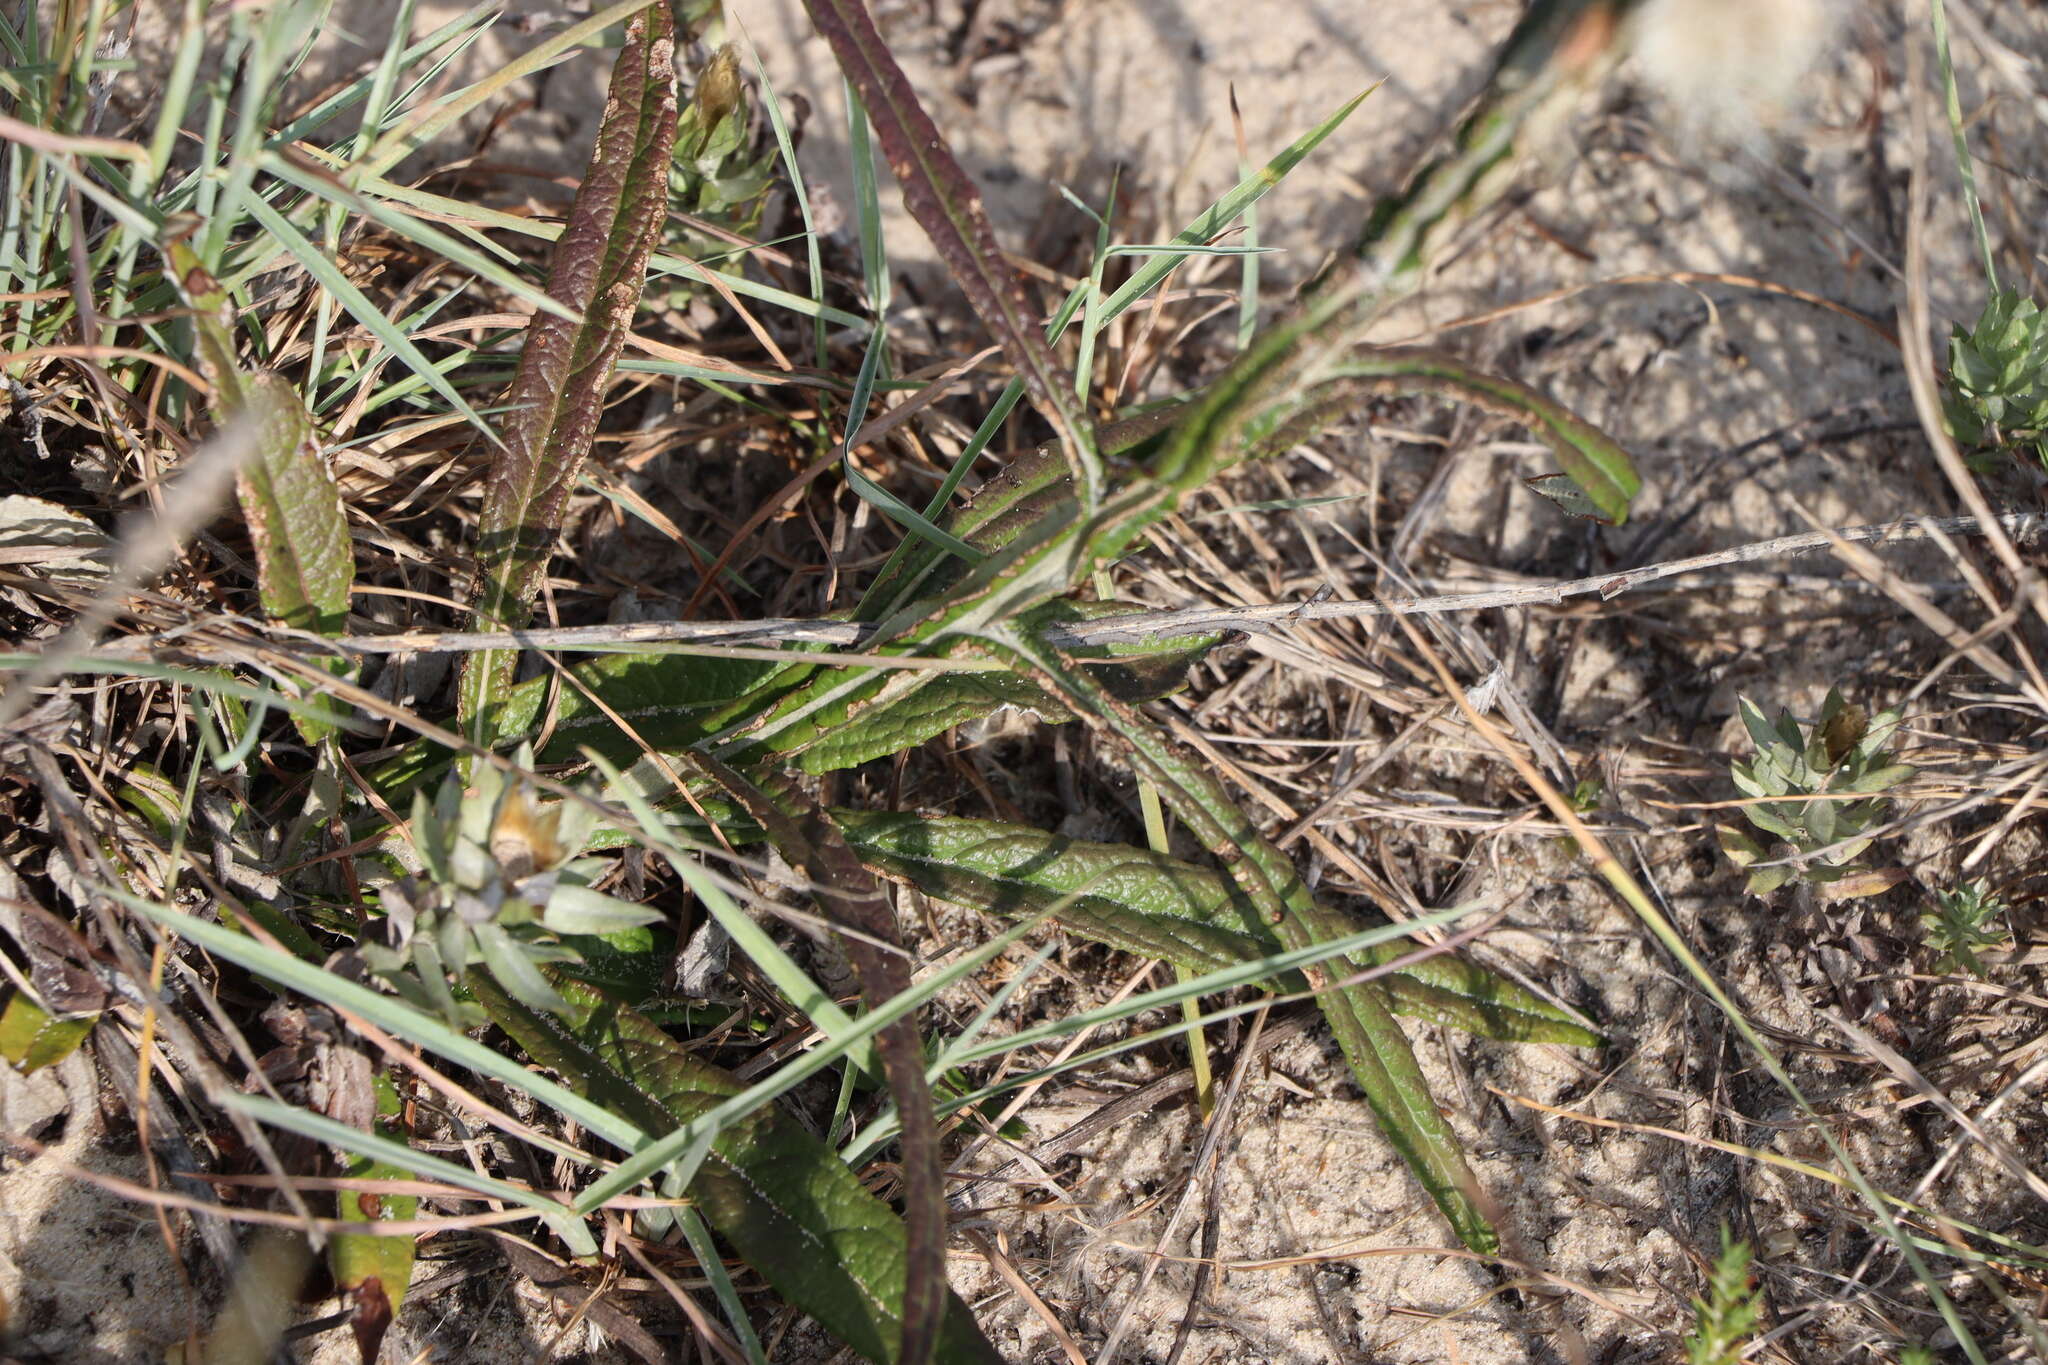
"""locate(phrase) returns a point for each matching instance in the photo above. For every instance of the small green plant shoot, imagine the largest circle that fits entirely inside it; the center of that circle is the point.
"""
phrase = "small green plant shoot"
(1726, 1318)
(1808, 789)
(1998, 376)
(1963, 920)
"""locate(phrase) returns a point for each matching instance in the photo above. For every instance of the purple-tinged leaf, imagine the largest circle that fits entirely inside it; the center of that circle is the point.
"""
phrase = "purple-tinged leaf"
(946, 204)
(557, 394)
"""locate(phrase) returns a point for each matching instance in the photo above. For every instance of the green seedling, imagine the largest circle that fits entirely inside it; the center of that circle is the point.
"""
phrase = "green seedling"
(500, 886)
(1816, 795)
(1998, 377)
(1962, 921)
(1726, 1318)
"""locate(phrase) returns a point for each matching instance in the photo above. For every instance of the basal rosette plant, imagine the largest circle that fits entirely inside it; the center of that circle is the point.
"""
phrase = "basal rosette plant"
(1816, 795)
(500, 886)
(1962, 920)
(1998, 376)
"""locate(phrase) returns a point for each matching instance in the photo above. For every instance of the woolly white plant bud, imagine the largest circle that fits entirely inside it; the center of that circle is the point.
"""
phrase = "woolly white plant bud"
(1734, 71)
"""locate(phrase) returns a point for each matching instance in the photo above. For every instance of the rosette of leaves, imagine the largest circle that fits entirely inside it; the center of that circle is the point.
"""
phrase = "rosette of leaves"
(724, 164)
(1962, 921)
(1998, 376)
(500, 886)
(1810, 784)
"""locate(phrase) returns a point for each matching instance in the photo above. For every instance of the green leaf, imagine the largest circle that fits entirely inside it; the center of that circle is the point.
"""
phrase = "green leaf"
(374, 1271)
(1381, 1058)
(780, 1197)
(1159, 906)
(31, 1038)
(672, 701)
(557, 394)
(305, 565)
(1737, 847)
(1760, 732)
(1591, 458)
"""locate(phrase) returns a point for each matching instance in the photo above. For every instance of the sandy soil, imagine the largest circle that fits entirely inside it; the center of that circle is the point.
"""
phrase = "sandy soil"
(1747, 410)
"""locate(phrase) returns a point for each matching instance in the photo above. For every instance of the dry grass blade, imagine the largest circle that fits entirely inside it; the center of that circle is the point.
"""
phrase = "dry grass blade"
(557, 396)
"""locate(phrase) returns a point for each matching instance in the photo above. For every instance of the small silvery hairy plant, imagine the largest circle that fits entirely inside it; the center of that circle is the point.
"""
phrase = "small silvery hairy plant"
(1809, 788)
(1962, 921)
(1998, 376)
(500, 886)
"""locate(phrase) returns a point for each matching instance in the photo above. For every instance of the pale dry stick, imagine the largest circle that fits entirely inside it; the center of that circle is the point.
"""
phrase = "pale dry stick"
(1677, 277)
(1973, 576)
(148, 543)
(1137, 627)
(1025, 1096)
(136, 1192)
(1762, 1156)
(716, 279)
(706, 1329)
(1999, 1151)
(2000, 611)
(1532, 1274)
(1921, 1186)
(2009, 66)
(1950, 1152)
(1145, 1099)
(1946, 627)
(1001, 1263)
(1997, 834)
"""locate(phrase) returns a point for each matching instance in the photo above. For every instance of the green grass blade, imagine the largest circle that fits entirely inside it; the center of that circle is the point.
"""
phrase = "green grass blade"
(359, 306)
(402, 141)
(418, 1165)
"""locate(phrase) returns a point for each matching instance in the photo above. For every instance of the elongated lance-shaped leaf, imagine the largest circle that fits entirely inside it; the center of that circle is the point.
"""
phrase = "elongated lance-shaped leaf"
(853, 900)
(1161, 906)
(782, 1198)
(1373, 1043)
(1591, 458)
(946, 204)
(305, 565)
(557, 394)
